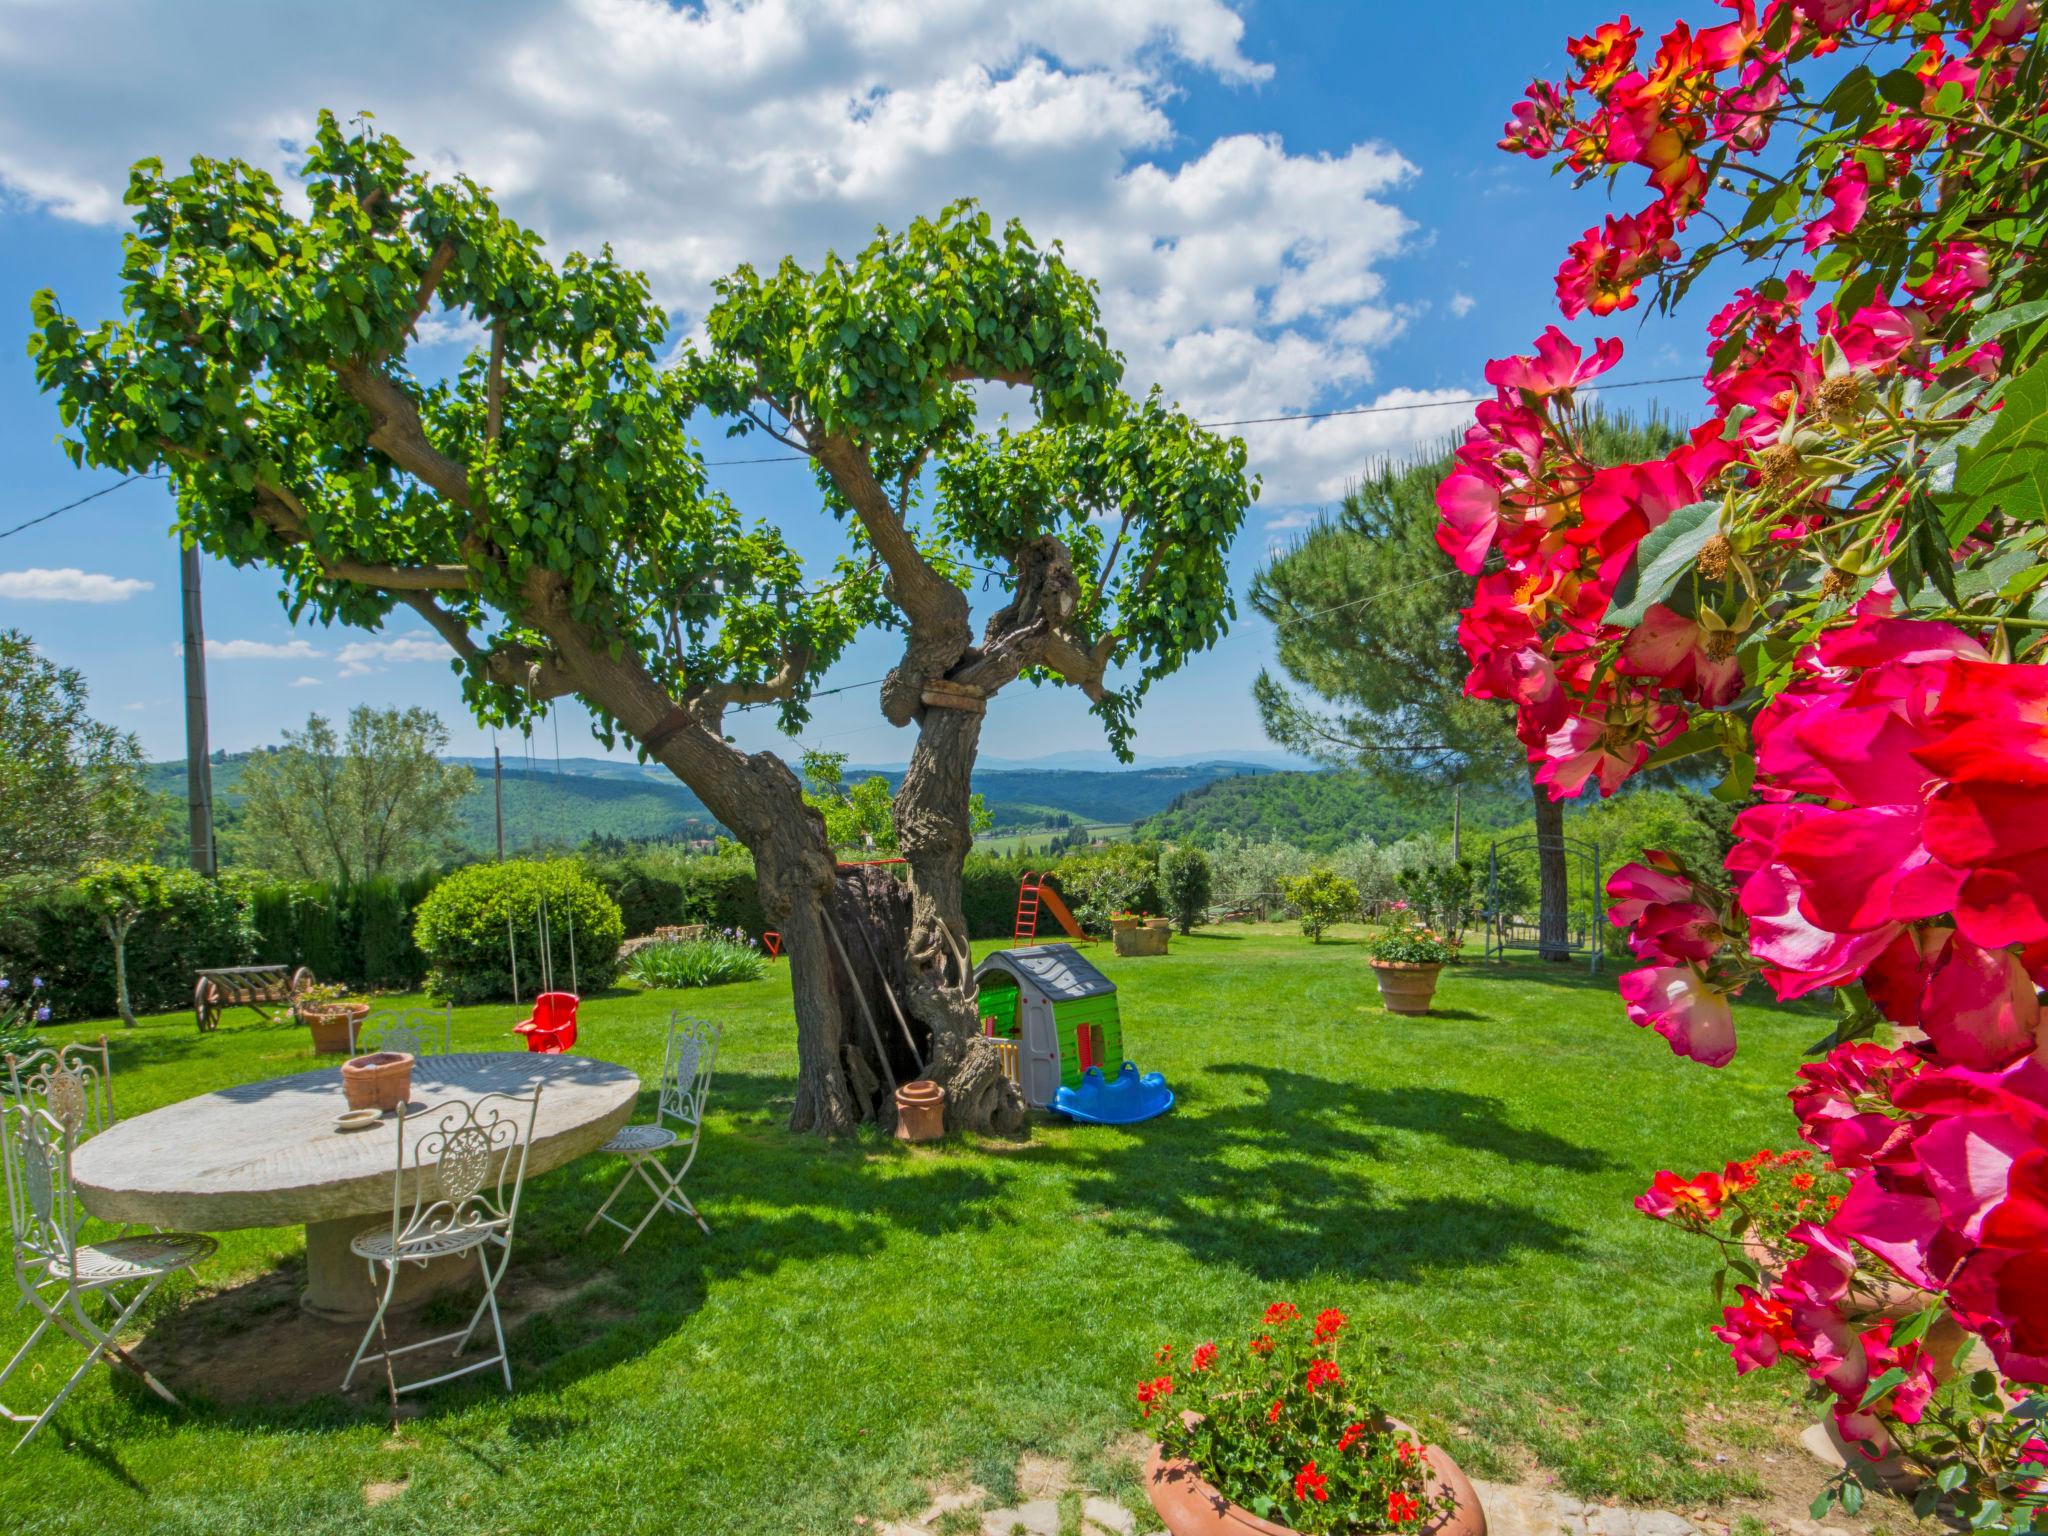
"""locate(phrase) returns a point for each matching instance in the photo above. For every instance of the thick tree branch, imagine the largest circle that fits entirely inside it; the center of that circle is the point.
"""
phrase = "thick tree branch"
(494, 389)
(286, 516)
(511, 666)
(709, 701)
(398, 433)
(962, 373)
(437, 268)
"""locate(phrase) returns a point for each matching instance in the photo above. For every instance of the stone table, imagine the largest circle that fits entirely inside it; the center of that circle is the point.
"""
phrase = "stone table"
(268, 1155)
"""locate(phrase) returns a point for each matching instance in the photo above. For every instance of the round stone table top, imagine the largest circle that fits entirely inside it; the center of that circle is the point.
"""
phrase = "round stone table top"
(268, 1154)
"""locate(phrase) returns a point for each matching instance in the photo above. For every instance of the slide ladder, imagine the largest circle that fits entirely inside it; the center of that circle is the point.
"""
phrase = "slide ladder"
(1034, 895)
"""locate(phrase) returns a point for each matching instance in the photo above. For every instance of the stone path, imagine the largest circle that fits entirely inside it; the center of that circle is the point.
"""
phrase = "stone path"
(1511, 1510)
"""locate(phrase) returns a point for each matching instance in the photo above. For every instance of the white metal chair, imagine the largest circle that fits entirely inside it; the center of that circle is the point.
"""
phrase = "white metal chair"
(54, 1272)
(74, 1082)
(678, 1123)
(416, 1031)
(460, 1168)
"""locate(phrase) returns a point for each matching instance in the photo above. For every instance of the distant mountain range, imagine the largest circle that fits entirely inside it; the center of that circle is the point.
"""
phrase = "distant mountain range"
(604, 797)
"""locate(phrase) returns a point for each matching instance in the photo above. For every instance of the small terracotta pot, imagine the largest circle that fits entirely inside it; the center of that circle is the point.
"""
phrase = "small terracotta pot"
(332, 1025)
(1405, 987)
(1191, 1506)
(380, 1080)
(920, 1111)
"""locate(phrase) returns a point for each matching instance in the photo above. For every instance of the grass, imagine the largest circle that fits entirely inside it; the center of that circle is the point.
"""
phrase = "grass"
(695, 963)
(867, 1315)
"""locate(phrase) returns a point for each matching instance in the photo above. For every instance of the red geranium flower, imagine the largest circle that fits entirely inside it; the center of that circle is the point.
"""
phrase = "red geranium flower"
(1353, 1433)
(1202, 1358)
(1311, 1484)
(1407, 1450)
(1329, 1323)
(1281, 1312)
(1273, 1413)
(1321, 1371)
(1150, 1392)
(1263, 1344)
(1401, 1508)
(1163, 1353)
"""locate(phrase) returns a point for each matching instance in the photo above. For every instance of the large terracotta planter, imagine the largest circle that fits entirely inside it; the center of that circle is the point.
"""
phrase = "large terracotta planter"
(1191, 1506)
(1405, 987)
(920, 1111)
(332, 1025)
(380, 1080)
(1138, 936)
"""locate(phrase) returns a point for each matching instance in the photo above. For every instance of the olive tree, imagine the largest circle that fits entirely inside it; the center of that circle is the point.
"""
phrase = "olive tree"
(545, 508)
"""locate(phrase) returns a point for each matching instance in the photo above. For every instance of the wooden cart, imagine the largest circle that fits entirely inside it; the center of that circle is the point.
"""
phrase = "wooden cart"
(260, 987)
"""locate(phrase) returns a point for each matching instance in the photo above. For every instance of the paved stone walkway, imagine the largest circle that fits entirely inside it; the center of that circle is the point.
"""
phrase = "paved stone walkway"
(1511, 1510)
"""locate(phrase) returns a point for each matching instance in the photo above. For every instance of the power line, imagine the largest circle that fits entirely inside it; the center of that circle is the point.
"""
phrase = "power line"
(105, 490)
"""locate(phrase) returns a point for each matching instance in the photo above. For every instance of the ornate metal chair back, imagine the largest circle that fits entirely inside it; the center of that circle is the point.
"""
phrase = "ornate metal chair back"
(416, 1031)
(42, 1208)
(74, 1082)
(686, 1073)
(461, 1165)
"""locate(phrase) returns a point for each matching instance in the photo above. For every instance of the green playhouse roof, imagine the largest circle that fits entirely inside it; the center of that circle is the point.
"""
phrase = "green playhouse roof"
(1057, 970)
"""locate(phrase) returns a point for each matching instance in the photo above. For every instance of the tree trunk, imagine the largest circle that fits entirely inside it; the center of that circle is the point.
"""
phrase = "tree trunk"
(934, 831)
(1553, 919)
(117, 931)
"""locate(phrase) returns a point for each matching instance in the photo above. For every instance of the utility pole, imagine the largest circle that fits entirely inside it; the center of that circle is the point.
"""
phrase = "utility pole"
(498, 796)
(198, 770)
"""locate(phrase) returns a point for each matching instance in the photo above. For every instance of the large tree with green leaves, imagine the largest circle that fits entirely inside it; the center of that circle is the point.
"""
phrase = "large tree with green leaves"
(344, 807)
(545, 507)
(1366, 609)
(71, 786)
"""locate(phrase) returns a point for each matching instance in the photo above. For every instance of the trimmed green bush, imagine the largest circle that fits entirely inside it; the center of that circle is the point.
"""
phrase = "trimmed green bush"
(1320, 898)
(52, 932)
(695, 963)
(474, 920)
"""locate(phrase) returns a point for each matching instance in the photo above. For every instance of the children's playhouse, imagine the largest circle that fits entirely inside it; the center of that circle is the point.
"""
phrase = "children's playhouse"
(1061, 1012)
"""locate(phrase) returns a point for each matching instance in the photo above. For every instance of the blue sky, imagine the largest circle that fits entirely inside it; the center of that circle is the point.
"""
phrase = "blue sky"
(1291, 207)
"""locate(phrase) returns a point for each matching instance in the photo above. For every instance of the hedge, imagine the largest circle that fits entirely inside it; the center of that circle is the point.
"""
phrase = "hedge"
(471, 924)
(48, 931)
(361, 936)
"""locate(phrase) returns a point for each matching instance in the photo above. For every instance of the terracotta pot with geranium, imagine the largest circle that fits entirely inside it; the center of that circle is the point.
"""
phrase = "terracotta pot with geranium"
(1406, 957)
(1281, 1431)
(330, 1016)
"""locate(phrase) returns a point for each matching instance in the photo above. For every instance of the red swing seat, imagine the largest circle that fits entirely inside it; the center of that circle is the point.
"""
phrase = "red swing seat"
(552, 1028)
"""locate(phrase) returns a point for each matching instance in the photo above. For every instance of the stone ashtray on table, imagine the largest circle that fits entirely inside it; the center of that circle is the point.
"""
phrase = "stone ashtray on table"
(270, 1155)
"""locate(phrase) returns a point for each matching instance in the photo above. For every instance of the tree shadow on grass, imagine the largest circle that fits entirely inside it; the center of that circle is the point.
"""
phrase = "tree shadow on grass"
(1281, 1184)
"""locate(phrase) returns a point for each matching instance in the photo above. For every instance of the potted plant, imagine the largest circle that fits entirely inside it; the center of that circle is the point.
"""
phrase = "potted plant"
(330, 1015)
(1406, 957)
(1280, 1431)
(1136, 934)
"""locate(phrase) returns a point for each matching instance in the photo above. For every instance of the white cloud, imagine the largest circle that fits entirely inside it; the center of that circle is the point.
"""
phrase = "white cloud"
(135, 706)
(305, 682)
(360, 657)
(259, 650)
(69, 585)
(1244, 278)
(1462, 304)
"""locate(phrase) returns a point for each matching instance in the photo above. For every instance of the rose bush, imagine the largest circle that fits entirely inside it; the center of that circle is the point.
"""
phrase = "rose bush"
(1833, 583)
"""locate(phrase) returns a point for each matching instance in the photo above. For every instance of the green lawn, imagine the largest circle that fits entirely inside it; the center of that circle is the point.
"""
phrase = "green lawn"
(867, 1316)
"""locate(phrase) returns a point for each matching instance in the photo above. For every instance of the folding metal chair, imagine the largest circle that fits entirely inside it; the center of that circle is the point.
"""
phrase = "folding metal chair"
(416, 1031)
(685, 1085)
(54, 1272)
(74, 1082)
(450, 1196)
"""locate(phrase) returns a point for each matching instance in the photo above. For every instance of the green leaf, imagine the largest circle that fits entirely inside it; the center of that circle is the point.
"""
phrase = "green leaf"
(1822, 1503)
(1852, 1497)
(1881, 1386)
(1999, 321)
(1665, 554)
(1950, 1477)
(2007, 471)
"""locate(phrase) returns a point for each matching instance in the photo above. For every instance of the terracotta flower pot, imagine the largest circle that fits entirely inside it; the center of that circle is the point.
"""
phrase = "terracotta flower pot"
(1405, 987)
(1191, 1506)
(380, 1080)
(332, 1025)
(920, 1111)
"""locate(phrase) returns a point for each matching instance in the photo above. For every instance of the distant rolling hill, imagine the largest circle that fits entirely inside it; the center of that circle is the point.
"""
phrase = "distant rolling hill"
(600, 797)
(1319, 811)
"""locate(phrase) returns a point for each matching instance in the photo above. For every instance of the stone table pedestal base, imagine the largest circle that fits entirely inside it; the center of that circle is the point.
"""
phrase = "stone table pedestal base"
(340, 1286)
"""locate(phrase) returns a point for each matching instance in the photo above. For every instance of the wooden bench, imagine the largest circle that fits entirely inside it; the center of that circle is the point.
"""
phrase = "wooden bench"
(260, 987)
